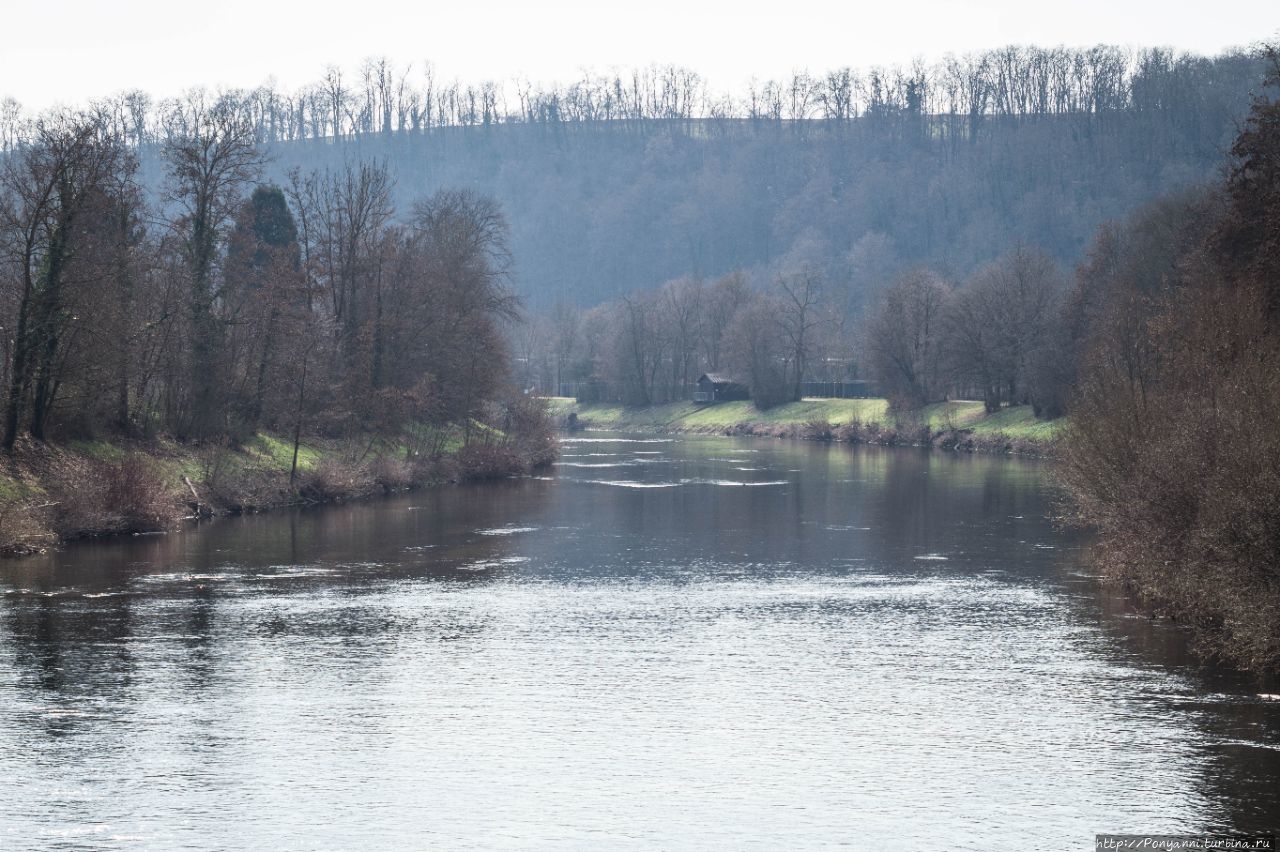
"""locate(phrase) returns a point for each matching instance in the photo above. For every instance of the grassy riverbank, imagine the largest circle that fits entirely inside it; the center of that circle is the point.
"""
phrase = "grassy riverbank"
(57, 492)
(959, 424)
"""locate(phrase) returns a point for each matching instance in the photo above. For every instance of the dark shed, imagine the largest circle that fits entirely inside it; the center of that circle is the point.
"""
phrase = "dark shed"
(714, 387)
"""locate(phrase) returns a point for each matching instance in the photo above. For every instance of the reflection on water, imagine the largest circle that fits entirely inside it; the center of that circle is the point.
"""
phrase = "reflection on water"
(707, 643)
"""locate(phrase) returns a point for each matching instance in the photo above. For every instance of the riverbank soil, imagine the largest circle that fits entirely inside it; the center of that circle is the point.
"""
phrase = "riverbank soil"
(59, 492)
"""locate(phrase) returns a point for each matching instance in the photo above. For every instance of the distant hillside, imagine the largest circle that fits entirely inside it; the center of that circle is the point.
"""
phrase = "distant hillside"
(617, 183)
(601, 212)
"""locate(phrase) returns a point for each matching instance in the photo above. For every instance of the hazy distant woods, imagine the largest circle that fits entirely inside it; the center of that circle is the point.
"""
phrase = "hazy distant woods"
(619, 182)
(1014, 81)
(920, 231)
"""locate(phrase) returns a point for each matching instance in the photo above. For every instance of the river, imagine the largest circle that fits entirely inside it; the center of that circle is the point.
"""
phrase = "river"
(666, 643)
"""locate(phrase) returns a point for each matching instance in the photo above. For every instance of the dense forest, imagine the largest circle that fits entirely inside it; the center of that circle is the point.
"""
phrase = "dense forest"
(223, 306)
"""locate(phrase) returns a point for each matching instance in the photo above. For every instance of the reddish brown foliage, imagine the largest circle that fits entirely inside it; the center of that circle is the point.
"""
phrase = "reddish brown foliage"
(1174, 451)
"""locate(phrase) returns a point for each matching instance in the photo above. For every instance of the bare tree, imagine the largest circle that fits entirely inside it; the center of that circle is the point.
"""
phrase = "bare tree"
(344, 216)
(566, 325)
(757, 349)
(724, 298)
(212, 155)
(49, 191)
(681, 310)
(998, 322)
(637, 352)
(799, 295)
(903, 340)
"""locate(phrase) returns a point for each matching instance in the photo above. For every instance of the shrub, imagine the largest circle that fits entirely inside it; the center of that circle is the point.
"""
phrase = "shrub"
(817, 430)
(435, 468)
(391, 473)
(23, 531)
(530, 430)
(113, 497)
(489, 461)
(1173, 455)
(331, 479)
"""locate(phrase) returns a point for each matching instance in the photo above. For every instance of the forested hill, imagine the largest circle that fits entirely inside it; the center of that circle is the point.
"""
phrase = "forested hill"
(623, 181)
(601, 207)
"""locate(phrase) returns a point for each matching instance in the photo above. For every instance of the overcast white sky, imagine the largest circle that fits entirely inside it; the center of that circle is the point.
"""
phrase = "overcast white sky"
(72, 50)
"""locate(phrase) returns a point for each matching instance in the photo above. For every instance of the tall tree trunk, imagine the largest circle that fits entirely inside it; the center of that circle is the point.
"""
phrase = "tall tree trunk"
(260, 390)
(204, 366)
(46, 305)
(42, 399)
(297, 421)
(18, 375)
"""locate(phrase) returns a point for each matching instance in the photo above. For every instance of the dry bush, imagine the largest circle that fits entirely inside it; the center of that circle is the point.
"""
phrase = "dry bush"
(23, 530)
(332, 478)
(215, 463)
(489, 461)
(916, 434)
(113, 497)
(434, 469)
(530, 430)
(817, 430)
(853, 432)
(391, 473)
(228, 482)
(246, 490)
(1174, 456)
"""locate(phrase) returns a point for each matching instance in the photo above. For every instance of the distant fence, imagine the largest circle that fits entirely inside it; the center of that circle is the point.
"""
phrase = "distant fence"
(841, 390)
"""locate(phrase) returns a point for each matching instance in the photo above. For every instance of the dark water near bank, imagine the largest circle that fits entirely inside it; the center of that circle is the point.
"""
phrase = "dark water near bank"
(701, 643)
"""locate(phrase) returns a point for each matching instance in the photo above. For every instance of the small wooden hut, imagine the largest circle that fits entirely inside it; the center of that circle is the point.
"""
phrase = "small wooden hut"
(715, 387)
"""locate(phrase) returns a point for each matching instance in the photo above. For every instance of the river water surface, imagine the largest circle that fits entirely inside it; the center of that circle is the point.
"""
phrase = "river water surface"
(668, 643)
